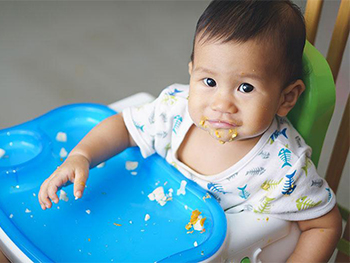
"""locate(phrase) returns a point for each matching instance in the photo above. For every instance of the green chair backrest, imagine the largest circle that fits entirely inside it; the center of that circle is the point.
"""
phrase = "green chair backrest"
(313, 111)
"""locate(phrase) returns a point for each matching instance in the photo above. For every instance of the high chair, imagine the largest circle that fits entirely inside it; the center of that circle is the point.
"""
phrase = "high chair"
(254, 238)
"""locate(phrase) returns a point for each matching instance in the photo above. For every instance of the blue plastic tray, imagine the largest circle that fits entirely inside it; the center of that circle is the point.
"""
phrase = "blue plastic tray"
(108, 223)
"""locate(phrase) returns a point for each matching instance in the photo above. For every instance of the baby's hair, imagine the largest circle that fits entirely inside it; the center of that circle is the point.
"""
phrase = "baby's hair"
(278, 22)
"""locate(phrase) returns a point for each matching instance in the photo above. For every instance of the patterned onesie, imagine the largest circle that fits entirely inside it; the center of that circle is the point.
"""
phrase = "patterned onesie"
(276, 177)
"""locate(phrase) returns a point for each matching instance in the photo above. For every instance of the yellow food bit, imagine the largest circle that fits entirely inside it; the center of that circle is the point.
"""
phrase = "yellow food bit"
(206, 196)
(217, 134)
(190, 232)
(194, 216)
(194, 219)
(201, 123)
(222, 142)
(188, 226)
(89, 239)
(117, 224)
(82, 183)
(267, 219)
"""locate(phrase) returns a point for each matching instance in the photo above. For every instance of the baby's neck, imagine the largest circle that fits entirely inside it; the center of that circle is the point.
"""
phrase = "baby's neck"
(202, 153)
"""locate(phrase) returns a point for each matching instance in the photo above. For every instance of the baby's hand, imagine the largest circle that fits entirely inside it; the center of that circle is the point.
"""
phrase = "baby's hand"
(75, 170)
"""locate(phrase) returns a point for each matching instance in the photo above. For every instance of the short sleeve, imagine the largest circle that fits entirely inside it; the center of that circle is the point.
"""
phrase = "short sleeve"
(151, 125)
(301, 195)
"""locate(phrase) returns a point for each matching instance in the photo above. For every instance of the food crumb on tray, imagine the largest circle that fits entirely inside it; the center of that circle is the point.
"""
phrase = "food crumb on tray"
(61, 137)
(2, 153)
(63, 196)
(101, 165)
(63, 153)
(182, 189)
(160, 197)
(196, 222)
(130, 166)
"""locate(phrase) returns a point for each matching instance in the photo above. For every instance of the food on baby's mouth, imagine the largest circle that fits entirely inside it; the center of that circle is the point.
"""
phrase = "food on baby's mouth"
(233, 134)
(203, 120)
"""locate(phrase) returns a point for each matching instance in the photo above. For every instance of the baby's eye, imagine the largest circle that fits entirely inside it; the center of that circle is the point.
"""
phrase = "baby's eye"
(209, 82)
(245, 88)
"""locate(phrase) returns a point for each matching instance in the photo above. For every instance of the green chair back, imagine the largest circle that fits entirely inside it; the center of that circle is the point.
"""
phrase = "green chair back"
(313, 111)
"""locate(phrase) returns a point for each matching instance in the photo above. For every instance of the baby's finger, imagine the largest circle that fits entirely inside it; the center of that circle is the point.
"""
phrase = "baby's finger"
(44, 199)
(54, 185)
(79, 182)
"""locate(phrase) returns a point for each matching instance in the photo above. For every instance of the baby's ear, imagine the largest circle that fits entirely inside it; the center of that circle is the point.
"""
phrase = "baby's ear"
(289, 97)
(190, 65)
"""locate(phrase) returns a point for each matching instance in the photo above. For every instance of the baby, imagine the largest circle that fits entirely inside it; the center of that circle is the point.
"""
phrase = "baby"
(227, 130)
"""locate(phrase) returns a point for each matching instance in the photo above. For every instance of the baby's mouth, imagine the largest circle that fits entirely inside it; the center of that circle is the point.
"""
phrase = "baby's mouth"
(223, 131)
(218, 124)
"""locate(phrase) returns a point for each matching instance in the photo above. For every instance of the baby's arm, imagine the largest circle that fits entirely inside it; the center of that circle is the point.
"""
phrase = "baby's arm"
(107, 139)
(318, 239)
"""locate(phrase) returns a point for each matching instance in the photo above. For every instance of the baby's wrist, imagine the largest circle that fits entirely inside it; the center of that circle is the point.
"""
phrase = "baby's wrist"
(79, 154)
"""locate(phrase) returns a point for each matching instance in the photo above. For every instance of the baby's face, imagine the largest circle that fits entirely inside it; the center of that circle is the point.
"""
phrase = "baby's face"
(235, 90)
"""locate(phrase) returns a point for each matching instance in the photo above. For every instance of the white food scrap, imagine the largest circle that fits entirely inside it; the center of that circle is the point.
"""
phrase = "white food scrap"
(28, 211)
(101, 165)
(63, 196)
(182, 190)
(195, 243)
(131, 165)
(2, 153)
(88, 212)
(63, 153)
(61, 137)
(147, 217)
(159, 196)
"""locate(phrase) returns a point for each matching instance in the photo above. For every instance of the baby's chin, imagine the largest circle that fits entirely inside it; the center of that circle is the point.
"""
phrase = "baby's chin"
(223, 135)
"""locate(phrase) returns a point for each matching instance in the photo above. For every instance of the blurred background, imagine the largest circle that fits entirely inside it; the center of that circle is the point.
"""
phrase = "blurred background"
(54, 53)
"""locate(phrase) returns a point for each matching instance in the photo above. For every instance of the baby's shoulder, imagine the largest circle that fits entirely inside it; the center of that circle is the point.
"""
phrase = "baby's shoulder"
(287, 139)
(172, 103)
(175, 91)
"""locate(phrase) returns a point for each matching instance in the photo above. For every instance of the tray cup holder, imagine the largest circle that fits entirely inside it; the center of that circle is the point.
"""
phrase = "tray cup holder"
(19, 146)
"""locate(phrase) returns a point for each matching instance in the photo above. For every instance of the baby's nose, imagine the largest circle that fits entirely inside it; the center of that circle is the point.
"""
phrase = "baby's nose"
(223, 103)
